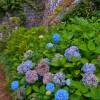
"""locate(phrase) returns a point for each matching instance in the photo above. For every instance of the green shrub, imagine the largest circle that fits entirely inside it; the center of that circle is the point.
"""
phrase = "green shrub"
(85, 34)
(86, 9)
(10, 5)
(6, 29)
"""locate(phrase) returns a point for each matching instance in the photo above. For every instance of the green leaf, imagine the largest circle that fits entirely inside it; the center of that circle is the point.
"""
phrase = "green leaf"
(91, 45)
(88, 94)
(28, 90)
(94, 61)
(62, 61)
(97, 49)
(75, 97)
(42, 89)
(77, 92)
(79, 86)
(68, 65)
(95, 93)
(35, 88)
(83, 46)
(84, 60)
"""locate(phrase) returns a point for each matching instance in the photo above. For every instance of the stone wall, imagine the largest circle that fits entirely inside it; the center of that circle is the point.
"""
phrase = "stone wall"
(56, 10)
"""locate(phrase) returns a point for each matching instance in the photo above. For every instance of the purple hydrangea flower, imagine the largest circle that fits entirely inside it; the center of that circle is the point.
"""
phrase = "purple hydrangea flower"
(50, 87)
(62, 95)
(20, 69)
(89, 68)
(89, 79)
(59, 78)
(72, 51)
(24, 67)
(31, 76)
(27, 65)
(56, 38)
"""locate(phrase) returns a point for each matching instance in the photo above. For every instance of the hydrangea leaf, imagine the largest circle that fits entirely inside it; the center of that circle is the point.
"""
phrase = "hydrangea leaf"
(91, 45)
(28, 90)
(68, 65)
(75, 97)
(42, 89)
(35, 88)
(83, 46)
(84, 60)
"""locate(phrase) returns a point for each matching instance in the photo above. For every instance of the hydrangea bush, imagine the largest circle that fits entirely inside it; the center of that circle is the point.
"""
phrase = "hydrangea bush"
(62, 65)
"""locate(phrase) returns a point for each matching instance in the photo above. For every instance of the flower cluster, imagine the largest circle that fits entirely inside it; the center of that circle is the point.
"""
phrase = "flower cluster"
(28, 54)
(45, 60)
(31, 76)
(56, 38)
(41, 72)
(14, 85)
(89, 68)
(20, 93)
(50, 87)
(42, 69)
(49, 45)
(72, 52)
(90, 79)
(24, 67)
(47, 78)
(59, 78)
(62, 95)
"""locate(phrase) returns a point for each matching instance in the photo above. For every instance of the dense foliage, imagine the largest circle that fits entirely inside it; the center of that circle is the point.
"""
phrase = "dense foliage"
(86, 9)
(80, 34)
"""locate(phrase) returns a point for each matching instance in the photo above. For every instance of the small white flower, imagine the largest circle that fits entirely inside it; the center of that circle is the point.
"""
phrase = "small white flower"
(41, 36)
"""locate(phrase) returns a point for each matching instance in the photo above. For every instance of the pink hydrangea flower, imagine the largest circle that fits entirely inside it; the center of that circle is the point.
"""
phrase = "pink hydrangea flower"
(42, 69)
(47, 78)
(31, 76)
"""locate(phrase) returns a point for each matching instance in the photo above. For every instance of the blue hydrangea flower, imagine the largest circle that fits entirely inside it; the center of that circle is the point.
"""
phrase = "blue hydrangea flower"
(62, 95)
(49, 45)
(89, 68)
(14, 85)
(68, 82)
(56, 37)
(72, 51)
(50, 87)
(89, 79)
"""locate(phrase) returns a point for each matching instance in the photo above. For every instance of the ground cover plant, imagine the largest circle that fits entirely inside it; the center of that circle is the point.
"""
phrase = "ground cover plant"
(61, 64)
